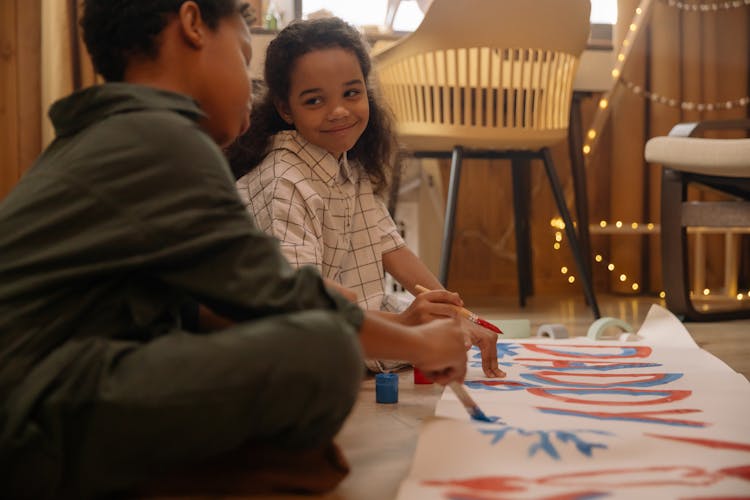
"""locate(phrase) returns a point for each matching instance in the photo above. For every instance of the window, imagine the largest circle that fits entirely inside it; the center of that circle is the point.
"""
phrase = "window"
(409, 15)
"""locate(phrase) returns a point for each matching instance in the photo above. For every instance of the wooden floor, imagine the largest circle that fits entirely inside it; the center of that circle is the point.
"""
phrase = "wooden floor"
(379, 440)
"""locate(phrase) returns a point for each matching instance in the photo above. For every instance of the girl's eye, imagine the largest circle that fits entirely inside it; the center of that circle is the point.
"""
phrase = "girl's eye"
(312, 101)
(352, 93)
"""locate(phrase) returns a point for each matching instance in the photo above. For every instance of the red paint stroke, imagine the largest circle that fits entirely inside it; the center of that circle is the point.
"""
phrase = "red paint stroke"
(709, 443)
(640, 351)
(743, 497)
(642, 416)
(577, 495)
(673, 395)
(635, 476)
(555, 377)
(509, 383)
(594, 481)
(487, 483)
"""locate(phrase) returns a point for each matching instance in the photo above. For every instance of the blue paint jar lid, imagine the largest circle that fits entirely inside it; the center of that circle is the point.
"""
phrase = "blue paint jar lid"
(386, 388)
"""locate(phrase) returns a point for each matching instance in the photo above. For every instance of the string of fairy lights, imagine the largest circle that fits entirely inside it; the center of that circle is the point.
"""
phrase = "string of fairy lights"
(640, 17)
(616, 227)
(591, 139)
(706, 6)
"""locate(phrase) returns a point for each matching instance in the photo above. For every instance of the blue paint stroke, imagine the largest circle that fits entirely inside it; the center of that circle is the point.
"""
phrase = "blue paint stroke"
(501, 386)
(619, 392)
(666, 379)
(582, 365)
(503, 350)
(546, 440)
(625, 352)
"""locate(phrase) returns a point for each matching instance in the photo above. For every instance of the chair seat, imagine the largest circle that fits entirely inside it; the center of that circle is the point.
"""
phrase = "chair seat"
(423, 137)
(719, 157)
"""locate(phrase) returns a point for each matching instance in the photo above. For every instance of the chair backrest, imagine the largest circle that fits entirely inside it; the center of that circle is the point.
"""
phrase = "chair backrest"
(490, 74)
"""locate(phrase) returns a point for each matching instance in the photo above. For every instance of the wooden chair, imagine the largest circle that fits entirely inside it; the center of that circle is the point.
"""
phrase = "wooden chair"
(719, 164)
(491, 79)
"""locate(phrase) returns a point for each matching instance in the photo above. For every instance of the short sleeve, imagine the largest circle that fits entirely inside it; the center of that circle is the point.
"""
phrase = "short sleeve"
(391, 238)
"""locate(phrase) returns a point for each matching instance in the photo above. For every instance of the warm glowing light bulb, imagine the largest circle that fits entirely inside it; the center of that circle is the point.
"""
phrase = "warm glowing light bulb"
(662, 295)
(592, 133)
(571, 279)
(615, 73)
(706, 291)
(620, 57)
(625, 42)
(639, 11)
(598, 258)
(739, 296)
(556, 246)
(603, 103)
(618, 224)
(634, 286)
(634, 225)
(603, 223)
(558, 236)
(586, 149)
(633, 27)
(611, 267)
(564, 270)
(650, 226)
(623, 277)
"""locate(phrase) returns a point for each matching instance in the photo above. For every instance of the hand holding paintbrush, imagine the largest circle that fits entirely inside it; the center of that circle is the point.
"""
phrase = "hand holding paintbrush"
(473, 317)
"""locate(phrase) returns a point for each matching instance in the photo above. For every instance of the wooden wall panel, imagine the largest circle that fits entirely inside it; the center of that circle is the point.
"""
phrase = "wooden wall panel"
(20, 138)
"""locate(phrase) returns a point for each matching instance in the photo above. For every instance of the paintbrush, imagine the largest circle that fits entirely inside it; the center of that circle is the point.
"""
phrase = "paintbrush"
(471, 407)
(473, 317)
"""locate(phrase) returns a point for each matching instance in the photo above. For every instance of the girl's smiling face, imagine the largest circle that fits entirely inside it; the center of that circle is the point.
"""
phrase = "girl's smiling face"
(327, 101)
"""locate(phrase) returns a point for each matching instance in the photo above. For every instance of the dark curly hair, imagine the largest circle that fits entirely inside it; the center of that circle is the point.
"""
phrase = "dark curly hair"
(375, 147)
(115, 30)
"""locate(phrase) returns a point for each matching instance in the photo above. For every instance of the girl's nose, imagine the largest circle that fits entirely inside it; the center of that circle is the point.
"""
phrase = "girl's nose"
(338, 112)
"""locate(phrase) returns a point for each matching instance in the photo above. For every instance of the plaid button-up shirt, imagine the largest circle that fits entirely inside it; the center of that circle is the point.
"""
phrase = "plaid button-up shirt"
(324, 213)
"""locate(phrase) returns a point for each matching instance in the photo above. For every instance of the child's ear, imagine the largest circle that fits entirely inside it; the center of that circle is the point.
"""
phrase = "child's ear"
(191, 24)
(284, 111)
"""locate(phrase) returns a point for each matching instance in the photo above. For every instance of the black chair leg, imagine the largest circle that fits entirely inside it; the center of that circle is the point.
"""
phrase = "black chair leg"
(578, 172)
(520, 175)
(674, 244)
(450, 213)
(570, 233)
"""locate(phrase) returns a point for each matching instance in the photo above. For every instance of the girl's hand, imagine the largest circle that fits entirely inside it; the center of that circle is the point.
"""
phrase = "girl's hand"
(431, 305)
(486, 340)
(442, 357)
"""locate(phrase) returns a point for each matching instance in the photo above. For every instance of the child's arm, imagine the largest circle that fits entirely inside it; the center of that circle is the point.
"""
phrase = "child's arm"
(409, 270)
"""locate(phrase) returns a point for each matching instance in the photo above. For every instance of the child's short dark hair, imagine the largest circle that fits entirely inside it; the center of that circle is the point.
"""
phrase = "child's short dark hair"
(115, 30)
(374, 149)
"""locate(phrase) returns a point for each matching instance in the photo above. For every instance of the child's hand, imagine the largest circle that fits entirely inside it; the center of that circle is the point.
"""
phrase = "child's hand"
(486, 340)
(443, 355)
(431, 305)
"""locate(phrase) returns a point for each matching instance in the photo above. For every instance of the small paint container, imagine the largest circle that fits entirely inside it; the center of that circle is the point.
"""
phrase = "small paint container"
(386, 388)
(420, 378)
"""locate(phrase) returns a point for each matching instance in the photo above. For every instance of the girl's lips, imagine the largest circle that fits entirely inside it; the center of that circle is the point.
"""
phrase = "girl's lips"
(339, 129)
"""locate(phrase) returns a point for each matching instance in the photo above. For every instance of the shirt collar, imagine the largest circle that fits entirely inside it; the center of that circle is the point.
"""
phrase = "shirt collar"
(325, 165)
(92, 104)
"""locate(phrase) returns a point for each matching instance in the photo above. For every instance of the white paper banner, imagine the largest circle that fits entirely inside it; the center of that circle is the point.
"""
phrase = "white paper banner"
(583, 419)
